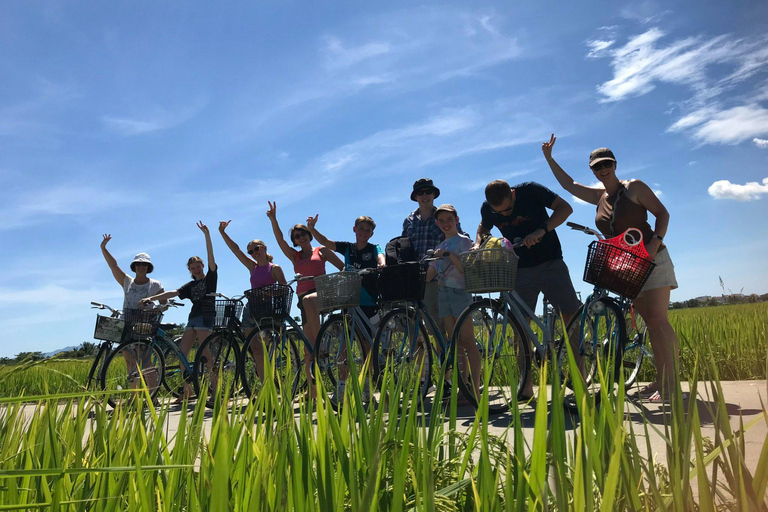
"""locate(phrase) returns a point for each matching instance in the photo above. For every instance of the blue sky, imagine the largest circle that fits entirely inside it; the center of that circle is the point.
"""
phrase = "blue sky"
(140, 118)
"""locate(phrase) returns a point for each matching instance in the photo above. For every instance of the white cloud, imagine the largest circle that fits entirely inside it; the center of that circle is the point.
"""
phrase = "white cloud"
(730, 126)
(158, 119)
(761, 143)
(647, 60)
(340, 56)
(598, 47)
(752, 190)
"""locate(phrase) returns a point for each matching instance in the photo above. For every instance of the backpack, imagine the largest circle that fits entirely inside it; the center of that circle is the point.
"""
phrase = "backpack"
(400, 250)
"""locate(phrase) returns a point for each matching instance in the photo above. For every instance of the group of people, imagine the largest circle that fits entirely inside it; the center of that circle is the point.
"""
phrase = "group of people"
(528, 211)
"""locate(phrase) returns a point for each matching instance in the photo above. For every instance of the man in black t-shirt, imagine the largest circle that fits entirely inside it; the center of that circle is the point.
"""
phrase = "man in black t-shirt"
(521, 212)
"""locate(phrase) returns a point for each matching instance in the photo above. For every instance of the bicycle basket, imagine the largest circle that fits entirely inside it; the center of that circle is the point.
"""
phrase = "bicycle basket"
(109, 328)
(142, 323)
(616, 269)
(489, 270)
(338, 291)
(403, 282)
(271, 301)
(221, 312)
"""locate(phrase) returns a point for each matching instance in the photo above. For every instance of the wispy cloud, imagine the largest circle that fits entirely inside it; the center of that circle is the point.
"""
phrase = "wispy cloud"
(750, 191)
(155, 120)
(761, 143)
(647, 60)
(730, 126)
(65, 200)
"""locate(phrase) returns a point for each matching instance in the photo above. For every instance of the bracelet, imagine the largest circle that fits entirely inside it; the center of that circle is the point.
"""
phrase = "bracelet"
(658, 237)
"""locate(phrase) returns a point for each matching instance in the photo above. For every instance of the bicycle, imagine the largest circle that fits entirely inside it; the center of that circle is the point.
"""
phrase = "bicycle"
(617, 333)
(402, 342)
(217, 362)
(276, 339)
(506, 339)
(345, 337)
(140, 355)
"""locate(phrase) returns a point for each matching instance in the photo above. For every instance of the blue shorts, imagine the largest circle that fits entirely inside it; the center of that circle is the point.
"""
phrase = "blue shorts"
(196, 323)
(452, 301)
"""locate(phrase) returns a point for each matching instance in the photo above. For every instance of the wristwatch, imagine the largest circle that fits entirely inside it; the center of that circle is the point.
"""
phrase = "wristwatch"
(543, 226)
(658, 237)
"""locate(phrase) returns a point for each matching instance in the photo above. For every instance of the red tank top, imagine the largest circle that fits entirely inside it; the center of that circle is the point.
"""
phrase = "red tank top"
(313, 266)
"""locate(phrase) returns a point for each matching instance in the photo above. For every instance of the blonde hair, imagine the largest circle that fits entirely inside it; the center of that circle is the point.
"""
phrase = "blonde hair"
(260, 243)
(195, 259)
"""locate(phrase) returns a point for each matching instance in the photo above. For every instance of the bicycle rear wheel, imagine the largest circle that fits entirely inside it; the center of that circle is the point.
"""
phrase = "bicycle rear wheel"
(402, 346)
(273, 345)
(217, 367)
(94, 374)
(635, 348)
(340, 354)
(504, 354)
(132, 365)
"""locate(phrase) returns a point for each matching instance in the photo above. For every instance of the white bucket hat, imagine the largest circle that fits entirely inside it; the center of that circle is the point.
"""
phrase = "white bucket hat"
(142, 257)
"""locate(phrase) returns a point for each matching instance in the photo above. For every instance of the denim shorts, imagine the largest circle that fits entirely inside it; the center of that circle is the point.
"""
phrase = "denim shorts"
(197, 323)
(452, 301)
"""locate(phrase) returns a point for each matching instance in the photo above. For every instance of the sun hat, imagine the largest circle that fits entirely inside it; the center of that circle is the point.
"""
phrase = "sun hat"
(601, 154)
(422, 184)
(142, 257)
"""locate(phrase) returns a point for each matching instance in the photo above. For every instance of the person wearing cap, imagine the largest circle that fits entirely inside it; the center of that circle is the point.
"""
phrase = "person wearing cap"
(421, 227)
(520, 212)
(134, 288)
(623, 204)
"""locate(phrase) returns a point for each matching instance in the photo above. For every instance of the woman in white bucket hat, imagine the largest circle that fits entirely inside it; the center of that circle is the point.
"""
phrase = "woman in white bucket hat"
(134, 288)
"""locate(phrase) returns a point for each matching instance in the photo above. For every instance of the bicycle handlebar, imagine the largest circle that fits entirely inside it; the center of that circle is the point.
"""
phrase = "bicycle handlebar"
(584, 229)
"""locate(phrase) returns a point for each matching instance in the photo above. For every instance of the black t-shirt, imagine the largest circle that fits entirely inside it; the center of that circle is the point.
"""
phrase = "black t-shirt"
(197, 292)
(358, 259)
(528, 214)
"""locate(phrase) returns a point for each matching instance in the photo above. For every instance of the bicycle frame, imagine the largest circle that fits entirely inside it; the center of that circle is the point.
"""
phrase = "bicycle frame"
(514, 304)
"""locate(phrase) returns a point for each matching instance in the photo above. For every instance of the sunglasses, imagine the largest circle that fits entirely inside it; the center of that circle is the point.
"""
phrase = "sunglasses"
(139, 264)
(298, 235)
(424, 191)
(602, 165)
(255, 249)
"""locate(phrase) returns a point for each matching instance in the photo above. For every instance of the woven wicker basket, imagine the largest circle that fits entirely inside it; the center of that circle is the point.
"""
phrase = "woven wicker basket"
(489, 270)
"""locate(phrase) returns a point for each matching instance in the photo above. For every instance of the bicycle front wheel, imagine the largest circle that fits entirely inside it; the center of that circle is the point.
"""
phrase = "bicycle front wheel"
(133, 365)
(339, 355)
(176, 373)
(272, 345)
(217, 367)
(402, 346)
(504, 352)
(600, 324)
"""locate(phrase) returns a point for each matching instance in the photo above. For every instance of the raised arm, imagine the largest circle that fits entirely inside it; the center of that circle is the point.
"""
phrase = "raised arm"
(117, 272)
(208, 245)
(321, 239)
(239, 254)
(648, 200)
(331, 258)
(589, 194)
(289, 251)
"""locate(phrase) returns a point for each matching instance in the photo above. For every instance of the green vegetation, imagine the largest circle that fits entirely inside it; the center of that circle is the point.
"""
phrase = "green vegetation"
(73, 454)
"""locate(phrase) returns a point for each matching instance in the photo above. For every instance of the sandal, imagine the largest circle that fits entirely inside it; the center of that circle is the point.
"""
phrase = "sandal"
(648, 391)
(656, 398)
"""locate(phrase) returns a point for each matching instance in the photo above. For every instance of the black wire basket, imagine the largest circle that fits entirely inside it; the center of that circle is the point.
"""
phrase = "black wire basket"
(617, 269)
(403, 282)
(221, 313)
(142, 323)
(271, 301)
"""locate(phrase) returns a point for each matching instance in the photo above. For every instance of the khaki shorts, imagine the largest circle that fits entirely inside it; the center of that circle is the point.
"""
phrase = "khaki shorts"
(663, 274)
(553, 280)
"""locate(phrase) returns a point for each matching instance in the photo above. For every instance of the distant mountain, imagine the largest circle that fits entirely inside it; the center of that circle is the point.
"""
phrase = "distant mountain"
(59, 350)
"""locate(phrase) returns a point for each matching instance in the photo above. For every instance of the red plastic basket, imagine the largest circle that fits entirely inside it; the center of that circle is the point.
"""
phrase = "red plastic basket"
(619, 266)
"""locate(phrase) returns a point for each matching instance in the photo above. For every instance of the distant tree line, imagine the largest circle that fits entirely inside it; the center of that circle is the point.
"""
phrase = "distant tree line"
(720, 301)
